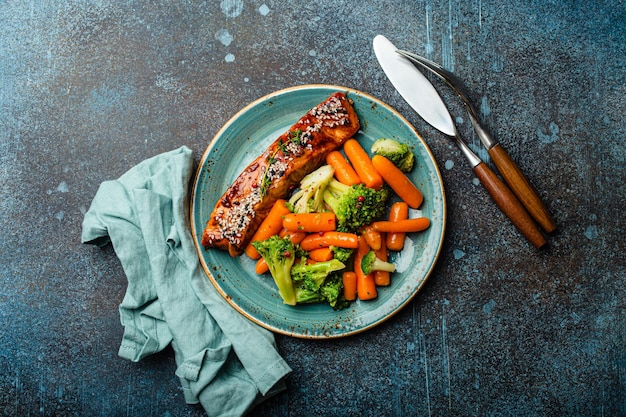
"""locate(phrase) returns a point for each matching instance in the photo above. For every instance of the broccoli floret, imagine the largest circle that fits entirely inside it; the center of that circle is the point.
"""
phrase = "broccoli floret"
(318, 283)
(356, 205)
(342, 254)
(280, 254)
(313, 275)
(397, 152)
(309, 197)
(330, 292)
(306, 296)
(371, 262)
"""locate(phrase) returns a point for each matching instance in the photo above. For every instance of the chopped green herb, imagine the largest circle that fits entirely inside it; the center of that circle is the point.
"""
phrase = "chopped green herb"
(295, 137)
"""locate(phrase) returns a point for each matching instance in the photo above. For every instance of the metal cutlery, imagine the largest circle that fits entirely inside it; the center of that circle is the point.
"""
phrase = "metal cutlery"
(422, 96)
(509, 170)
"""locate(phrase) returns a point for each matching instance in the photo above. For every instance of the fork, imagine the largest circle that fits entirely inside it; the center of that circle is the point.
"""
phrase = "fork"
(507, 167)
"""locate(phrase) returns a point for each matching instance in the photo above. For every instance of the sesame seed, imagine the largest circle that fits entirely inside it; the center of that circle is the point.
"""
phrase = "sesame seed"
(233, 221)
(293, 148)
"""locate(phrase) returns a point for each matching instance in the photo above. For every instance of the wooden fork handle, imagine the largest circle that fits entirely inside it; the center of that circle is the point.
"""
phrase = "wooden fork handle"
(509, 204)
(522, 188)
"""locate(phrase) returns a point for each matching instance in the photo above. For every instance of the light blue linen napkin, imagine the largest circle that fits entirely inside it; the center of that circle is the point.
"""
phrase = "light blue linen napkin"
(224, 361)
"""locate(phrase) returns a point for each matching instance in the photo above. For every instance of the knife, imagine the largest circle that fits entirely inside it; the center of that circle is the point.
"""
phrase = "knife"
(422, 96)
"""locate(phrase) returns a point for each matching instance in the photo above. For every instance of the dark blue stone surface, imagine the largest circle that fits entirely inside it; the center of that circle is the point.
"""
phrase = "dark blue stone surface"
(90, 88)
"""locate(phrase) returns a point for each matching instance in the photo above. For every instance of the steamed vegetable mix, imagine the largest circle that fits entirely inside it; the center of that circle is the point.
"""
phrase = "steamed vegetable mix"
(330, 241)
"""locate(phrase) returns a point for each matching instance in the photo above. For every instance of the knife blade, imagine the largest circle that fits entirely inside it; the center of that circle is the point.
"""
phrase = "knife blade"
(422, 96)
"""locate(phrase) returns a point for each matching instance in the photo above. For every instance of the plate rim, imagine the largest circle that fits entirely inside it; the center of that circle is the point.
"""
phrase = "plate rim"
(199, 248)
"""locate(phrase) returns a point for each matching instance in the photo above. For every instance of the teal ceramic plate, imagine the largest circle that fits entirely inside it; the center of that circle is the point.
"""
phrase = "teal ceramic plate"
(241, 140)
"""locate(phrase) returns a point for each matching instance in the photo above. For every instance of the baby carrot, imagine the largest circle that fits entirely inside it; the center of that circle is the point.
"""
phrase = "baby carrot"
(365, 285)
(271, 225)
(327, 239)
(321, 254)
(382, 278)
(349, 285)
(372, 237)
(261, 266)
(362, 164)
(310, 222)
(398, 181)
(409, 225)
(295, 236)
(343, 170)
(398, 211)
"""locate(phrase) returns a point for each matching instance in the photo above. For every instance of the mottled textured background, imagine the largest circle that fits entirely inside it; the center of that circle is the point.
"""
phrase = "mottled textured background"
(90, 88)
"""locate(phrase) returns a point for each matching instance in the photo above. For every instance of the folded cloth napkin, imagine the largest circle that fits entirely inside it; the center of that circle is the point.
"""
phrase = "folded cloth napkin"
(224, 361)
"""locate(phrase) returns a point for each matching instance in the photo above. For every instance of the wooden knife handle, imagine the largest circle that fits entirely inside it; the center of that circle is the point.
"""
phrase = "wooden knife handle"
(509, 204)
(522, 188)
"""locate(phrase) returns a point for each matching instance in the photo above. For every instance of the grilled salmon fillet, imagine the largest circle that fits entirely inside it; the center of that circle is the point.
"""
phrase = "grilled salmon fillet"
(273, 174)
